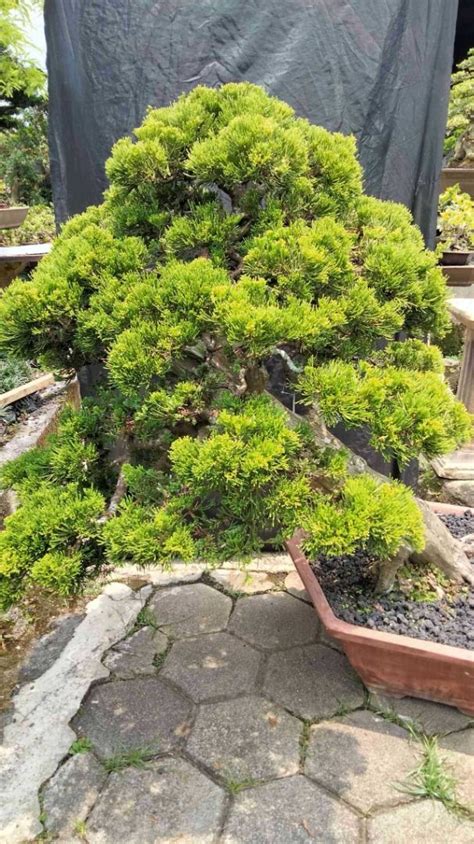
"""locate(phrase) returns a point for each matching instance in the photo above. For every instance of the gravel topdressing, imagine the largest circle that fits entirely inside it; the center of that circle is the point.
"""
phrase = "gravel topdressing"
(349, 582)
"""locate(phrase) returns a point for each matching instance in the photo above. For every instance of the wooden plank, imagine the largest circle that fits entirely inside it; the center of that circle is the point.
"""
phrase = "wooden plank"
(25, 252)
(26, 389)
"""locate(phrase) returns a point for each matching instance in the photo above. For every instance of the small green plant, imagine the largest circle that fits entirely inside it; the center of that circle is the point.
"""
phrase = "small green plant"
(422, 584)
(80, 829)
(13, 373)
(80, 745)
(304, 741)
(433, 778)
(135, 758)
(234, 786)
(456, 220)
(146, 618)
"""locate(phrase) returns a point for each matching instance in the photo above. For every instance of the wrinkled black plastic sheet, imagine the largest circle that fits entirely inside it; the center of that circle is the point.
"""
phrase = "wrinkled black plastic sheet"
(377, 68)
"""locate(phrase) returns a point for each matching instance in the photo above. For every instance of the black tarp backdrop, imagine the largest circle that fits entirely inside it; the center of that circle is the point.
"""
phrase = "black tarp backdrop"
(378, 68)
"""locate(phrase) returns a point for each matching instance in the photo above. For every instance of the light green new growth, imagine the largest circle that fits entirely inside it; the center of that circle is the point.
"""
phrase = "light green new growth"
(234, 253)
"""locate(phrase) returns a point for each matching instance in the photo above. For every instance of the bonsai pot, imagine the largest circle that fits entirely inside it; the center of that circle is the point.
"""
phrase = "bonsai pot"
(462, 176)
(459, 276)
(11, 218)
(394, 664)
(455, 259)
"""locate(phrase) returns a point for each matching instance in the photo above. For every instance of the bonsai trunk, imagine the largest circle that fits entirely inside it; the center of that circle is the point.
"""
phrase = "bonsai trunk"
(441, 548)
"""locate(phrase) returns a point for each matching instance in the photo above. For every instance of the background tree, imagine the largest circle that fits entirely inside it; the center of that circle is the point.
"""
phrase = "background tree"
(22, 84)
(24, 153)
(459, 141)
(234, 261)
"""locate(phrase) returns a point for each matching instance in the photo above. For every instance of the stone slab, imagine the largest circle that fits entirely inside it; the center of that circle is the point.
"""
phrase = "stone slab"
(157, 576)
(245, 739)
(313, 682)
(71, 793)
(189, 610)
(212, 666)
(43, 709)
(430, 718)
(245, 582)
(274, 621)
(47, 649)
(289, 811)
(294, 585)
(462, 492)
(134, 656)
(362, 759)
(423, 822)
(458, 751)
(167, 801)
(124, 715)
(271, 563)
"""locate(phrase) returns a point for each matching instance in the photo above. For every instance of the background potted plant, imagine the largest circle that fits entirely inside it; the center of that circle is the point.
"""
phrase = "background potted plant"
(455, 226)
(459, 139)
(11, 216)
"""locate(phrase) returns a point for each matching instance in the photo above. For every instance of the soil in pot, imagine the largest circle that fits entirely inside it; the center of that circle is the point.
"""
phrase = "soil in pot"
(422, 605)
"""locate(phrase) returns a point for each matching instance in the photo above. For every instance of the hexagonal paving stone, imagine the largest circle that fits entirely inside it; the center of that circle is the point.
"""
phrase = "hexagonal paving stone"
(168, 800)
(247, 738)
(422, 822)
(71, 793)
(458, 750)
(213, 666)
(289, 811)
(274, 621)
(135, 655)
(127, 714)
(295, 586)
(361, 758)
(313, 682)
(190, 610)
(430, 718)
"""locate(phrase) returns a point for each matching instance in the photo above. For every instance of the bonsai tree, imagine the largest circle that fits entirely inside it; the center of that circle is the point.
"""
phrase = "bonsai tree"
(459, 140)
(241, 292)
(456, 220)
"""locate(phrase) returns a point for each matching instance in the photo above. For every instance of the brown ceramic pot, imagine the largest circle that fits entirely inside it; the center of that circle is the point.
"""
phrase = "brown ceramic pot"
(390, 663)
(455, 259)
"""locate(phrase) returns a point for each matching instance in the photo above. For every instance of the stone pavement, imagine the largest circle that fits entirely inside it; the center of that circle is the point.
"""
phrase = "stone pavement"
(225, 718)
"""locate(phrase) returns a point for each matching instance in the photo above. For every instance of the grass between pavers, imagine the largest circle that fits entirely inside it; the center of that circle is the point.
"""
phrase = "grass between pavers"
(235, 786)
(80, 829)
(80, 745)
(304, 742)
(145, 618)
(433, 777)
(137, 757)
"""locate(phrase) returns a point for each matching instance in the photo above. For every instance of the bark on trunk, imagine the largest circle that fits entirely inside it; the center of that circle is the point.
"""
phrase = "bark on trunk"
(441, 549)
(120, 455)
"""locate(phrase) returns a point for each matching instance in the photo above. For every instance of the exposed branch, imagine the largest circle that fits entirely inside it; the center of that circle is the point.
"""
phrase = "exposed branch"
(122, 456)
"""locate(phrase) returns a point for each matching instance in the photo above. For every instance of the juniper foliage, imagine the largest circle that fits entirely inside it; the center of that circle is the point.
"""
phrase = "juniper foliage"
(234, 233)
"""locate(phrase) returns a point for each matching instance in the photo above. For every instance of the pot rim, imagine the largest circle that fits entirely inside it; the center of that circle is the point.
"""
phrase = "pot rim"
(343, 630)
